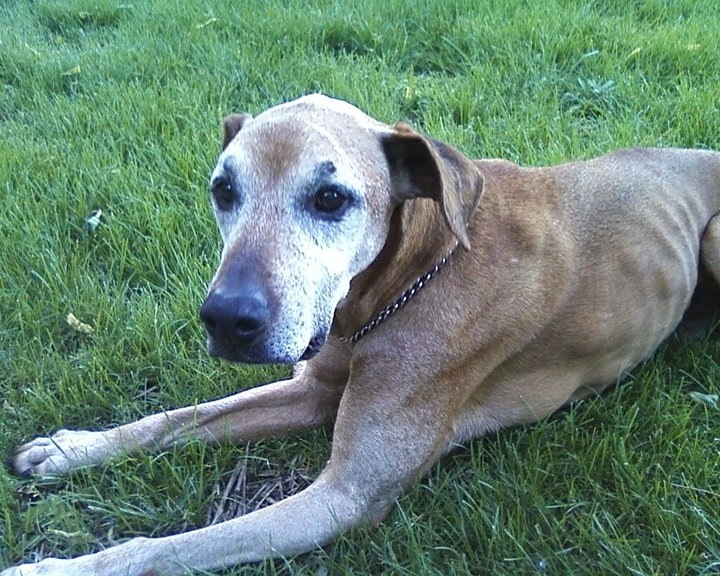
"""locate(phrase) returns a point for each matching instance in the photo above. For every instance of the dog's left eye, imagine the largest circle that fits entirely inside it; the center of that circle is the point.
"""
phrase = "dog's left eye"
(330, 200)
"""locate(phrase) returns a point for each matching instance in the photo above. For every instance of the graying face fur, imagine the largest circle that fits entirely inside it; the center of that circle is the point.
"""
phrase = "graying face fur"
(302, 200)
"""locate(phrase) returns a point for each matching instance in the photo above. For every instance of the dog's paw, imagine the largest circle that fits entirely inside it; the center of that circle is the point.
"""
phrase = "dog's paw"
(49, 567)
(133, 558)
(61, 452)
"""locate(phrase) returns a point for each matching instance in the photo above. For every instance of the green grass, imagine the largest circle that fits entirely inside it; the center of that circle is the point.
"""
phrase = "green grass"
(116, 106)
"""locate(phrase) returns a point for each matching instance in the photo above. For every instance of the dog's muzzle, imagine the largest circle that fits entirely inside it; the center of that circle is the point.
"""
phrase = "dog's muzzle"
(239, 325)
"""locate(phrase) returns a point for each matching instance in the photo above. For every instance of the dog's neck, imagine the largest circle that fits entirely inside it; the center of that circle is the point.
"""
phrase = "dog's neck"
(401, 301)
(418, 246)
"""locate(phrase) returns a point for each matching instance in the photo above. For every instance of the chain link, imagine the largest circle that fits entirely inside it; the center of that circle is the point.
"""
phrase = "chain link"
(404, 298)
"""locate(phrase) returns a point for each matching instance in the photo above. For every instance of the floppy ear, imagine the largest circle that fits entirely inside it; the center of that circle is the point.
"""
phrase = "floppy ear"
(425, 168)
(232, 124)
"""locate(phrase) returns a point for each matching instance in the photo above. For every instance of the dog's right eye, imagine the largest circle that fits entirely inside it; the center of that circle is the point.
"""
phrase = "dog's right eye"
(223, 194)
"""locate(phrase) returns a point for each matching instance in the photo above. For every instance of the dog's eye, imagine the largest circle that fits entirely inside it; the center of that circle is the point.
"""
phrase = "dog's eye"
(223, 194)
(330, 200)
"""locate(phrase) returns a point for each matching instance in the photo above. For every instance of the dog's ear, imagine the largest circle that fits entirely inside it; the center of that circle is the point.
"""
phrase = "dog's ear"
(425, 168)
(231, 125)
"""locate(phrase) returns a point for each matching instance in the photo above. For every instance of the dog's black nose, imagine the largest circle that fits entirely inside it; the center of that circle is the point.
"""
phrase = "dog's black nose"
(236, 319)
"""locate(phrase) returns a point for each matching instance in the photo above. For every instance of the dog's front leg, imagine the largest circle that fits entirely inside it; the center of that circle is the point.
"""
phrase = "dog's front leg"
(302, 402)
(387, 433)
(298, 524)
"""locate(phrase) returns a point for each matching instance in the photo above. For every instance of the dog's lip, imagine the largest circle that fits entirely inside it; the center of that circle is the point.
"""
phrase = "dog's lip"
(315, 345)
(225, 351)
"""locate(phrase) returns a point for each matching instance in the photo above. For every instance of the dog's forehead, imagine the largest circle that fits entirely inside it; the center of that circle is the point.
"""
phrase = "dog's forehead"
(318, 106)
(296, 137)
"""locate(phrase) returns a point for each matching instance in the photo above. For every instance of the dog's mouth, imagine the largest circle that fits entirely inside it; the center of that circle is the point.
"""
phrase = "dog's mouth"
(231, 352)
(316, 344)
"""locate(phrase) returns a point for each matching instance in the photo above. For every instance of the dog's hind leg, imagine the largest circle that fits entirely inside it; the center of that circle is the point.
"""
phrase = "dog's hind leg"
(704, 311)
(710, 247)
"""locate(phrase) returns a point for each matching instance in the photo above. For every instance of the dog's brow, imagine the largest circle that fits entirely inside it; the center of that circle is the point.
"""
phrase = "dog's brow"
(325, 168)
(228, 164)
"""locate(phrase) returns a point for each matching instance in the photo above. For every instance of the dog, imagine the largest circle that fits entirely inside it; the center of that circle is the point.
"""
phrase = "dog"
(425, 299)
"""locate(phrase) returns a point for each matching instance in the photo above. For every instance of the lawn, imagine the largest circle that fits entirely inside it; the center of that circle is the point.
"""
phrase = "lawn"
(109, 126)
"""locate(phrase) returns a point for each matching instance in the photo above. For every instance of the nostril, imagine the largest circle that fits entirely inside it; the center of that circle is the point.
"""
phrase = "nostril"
(207, 315)
(248, 326)
(208, 320)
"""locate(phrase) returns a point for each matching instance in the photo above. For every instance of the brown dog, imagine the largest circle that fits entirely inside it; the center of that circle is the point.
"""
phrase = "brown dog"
(434, 298)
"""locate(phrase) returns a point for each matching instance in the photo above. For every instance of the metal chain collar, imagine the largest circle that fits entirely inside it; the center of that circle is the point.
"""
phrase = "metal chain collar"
(404, 298)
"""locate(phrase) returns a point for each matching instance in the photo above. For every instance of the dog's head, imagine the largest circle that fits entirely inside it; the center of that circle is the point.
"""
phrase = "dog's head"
(303, 196)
